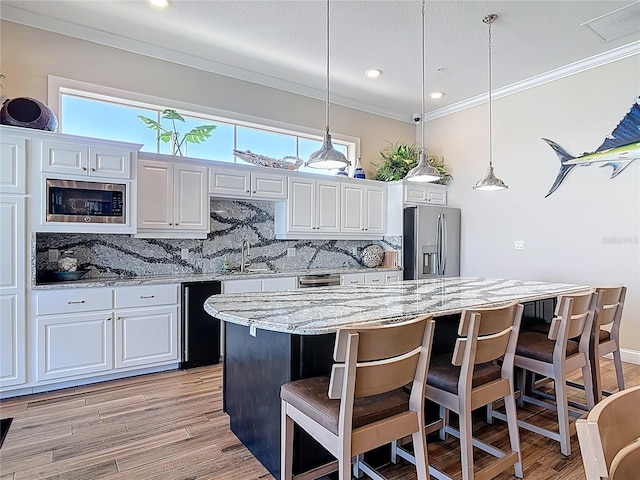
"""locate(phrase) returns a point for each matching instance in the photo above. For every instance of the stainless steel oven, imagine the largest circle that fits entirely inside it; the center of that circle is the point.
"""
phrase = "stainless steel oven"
(85, 202)
(319, 280)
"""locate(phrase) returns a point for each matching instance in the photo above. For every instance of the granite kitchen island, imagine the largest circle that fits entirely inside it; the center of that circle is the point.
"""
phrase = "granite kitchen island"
(275, 337)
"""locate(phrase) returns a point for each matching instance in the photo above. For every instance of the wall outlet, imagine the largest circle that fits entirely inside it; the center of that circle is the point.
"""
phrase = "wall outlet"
(184, 253)
(355, 251)
(291, 252)
(53, 255)
(519, 245)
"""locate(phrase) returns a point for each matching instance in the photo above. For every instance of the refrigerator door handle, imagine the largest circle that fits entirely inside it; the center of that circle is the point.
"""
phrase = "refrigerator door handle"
(185, 340)
(443, 242)
(439, 250)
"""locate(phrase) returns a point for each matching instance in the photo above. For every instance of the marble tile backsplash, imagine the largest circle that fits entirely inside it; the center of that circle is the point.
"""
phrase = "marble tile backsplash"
(231, 222)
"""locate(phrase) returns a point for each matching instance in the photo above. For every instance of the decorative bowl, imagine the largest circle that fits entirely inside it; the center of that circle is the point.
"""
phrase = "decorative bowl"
(372, 256)
(288, 163)
(68, 276)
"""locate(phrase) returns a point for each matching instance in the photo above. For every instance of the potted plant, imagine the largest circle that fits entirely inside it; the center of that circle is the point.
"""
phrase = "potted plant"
(195, 135)
(398, 158)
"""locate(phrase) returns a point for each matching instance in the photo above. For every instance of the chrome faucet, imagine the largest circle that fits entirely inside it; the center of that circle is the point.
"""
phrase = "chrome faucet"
(244, 256)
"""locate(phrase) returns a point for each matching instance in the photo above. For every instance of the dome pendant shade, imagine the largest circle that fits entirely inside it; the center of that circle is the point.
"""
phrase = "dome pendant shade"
(423, 172)
(490, 182)
(327, 157)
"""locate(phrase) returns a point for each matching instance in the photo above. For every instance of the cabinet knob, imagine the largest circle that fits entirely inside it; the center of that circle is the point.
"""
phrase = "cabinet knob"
(84, 168)
(93, 169)
(171, 224)
(254, 191)
(248, 191)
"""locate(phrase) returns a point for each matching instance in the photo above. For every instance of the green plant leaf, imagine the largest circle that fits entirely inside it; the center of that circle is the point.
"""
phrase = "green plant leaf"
(170, 114)
(152, 124)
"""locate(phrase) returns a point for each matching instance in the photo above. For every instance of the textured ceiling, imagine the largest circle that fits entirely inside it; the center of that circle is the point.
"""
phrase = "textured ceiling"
(282, 43)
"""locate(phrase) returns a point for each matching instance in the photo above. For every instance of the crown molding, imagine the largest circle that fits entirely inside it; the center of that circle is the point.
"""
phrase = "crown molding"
(532, 82)
(63, 27)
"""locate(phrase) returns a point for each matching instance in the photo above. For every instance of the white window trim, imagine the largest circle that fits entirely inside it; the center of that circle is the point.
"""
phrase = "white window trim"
(56, 86)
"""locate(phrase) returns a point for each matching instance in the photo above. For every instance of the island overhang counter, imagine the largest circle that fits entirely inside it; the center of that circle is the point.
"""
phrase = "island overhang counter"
(272, 338)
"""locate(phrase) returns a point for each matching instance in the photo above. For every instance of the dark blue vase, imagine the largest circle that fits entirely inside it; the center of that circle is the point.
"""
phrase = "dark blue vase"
(358, 172)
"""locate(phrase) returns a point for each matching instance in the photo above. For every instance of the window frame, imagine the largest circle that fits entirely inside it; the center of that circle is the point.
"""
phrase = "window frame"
(59, 86)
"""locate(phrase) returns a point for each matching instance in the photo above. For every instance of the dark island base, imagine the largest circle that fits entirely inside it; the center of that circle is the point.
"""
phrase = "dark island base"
(256, 366)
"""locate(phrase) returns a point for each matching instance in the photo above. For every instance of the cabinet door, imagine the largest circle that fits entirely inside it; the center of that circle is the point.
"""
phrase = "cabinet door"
(328, 207)
(12, 340)
(191, 202)
(437, 194)
(279, 284)
(375, 277)
(63, 157)
(265, 185)
(352, 218)
(155, 195)
(352, 279)
(301, 205)
(109, 162)
(375, 206)
(146, 336)
(70, 345)
(394, 277)
(242, 286)
(229, 183)
(415, 193)
(13, 164)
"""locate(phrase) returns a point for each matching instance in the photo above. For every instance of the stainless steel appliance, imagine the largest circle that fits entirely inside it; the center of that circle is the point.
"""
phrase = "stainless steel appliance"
(85, 202)
(200, 331)
(319, 280)
(431, 242)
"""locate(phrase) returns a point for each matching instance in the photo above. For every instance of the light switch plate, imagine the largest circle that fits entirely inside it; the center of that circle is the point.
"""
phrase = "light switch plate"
(53, 255)
(355, 251)
(252, 330)
(519, 245)
(291, 252)
(184, 253)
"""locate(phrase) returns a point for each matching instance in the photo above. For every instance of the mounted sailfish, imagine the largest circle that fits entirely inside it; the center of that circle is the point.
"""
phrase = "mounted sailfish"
(618, 150)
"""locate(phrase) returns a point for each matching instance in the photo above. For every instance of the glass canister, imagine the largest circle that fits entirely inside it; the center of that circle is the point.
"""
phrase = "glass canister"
(67, 262)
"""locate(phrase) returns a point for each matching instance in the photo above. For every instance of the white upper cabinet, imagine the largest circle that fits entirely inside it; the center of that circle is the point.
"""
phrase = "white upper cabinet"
(364, 209)
(172, 199)
(424, 194)
(240, 183)
(76, 158)
(312, 209)
(13, 164)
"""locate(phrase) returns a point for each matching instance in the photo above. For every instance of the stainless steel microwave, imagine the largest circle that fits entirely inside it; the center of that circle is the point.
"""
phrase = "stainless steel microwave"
(85, 202)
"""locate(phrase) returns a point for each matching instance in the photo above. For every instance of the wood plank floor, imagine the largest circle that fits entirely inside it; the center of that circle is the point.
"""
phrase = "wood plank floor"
(171, 426)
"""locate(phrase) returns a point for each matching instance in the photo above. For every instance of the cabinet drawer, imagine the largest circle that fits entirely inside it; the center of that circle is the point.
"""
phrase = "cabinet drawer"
(146, 296)
(73, 302)
(375, 277)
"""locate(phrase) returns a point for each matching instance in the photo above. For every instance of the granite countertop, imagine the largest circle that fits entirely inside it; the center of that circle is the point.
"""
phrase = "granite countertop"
(316, 311)
(200, 277)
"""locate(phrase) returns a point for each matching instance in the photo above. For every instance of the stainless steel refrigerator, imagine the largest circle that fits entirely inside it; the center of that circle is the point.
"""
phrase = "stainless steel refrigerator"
(431, 242)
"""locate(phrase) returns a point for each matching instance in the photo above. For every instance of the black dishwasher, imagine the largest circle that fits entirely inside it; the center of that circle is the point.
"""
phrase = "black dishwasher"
(200, 331)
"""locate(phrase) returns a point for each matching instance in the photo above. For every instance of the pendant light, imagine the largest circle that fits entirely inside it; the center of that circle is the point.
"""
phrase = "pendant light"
(490, 182)
(423, 172)
(327, 156)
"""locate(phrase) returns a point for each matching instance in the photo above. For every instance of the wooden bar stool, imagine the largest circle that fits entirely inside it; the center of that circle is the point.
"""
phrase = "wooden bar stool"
(471, 379)
(363, 405)
(564, 350)
(610, 437)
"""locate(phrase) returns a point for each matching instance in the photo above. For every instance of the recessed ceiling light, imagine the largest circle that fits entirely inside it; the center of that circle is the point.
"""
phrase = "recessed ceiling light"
(159, 3)
(373, 72)
(436, 95)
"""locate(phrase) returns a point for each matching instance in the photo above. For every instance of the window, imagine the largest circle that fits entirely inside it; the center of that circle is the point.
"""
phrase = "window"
(88, 111)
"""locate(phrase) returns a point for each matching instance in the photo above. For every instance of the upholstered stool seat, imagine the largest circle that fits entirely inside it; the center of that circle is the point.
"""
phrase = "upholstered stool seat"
(310, 397)
(538, 346)
(445, 376)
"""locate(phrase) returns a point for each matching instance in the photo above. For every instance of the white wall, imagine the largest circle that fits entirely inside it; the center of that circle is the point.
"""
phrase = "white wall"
(29, 55)
(568, 234)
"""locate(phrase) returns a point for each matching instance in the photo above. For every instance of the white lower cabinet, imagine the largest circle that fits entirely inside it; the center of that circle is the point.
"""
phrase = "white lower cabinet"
(369, 278)
(146, 336)
(71, 345)
(260, 285)
(83, 332)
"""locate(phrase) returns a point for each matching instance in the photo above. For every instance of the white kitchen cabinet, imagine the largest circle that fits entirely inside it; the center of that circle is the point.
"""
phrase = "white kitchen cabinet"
(247, 285)
(401, 194)
(393, 277)
(13, 164)
(313, 207)
(241, 183)
(73, 345)
(146, 336)
(12, 291)
(362, 278)
(81, 332)
(172, 200)
(77, 158)
(364, 209)
(424, 194)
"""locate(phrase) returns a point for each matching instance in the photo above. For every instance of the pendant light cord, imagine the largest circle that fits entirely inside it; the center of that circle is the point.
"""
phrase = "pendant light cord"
(490, 108)
(423, 76)
(327, 105)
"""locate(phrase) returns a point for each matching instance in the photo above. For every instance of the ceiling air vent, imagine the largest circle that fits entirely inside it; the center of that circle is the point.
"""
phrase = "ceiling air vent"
(616, 24)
